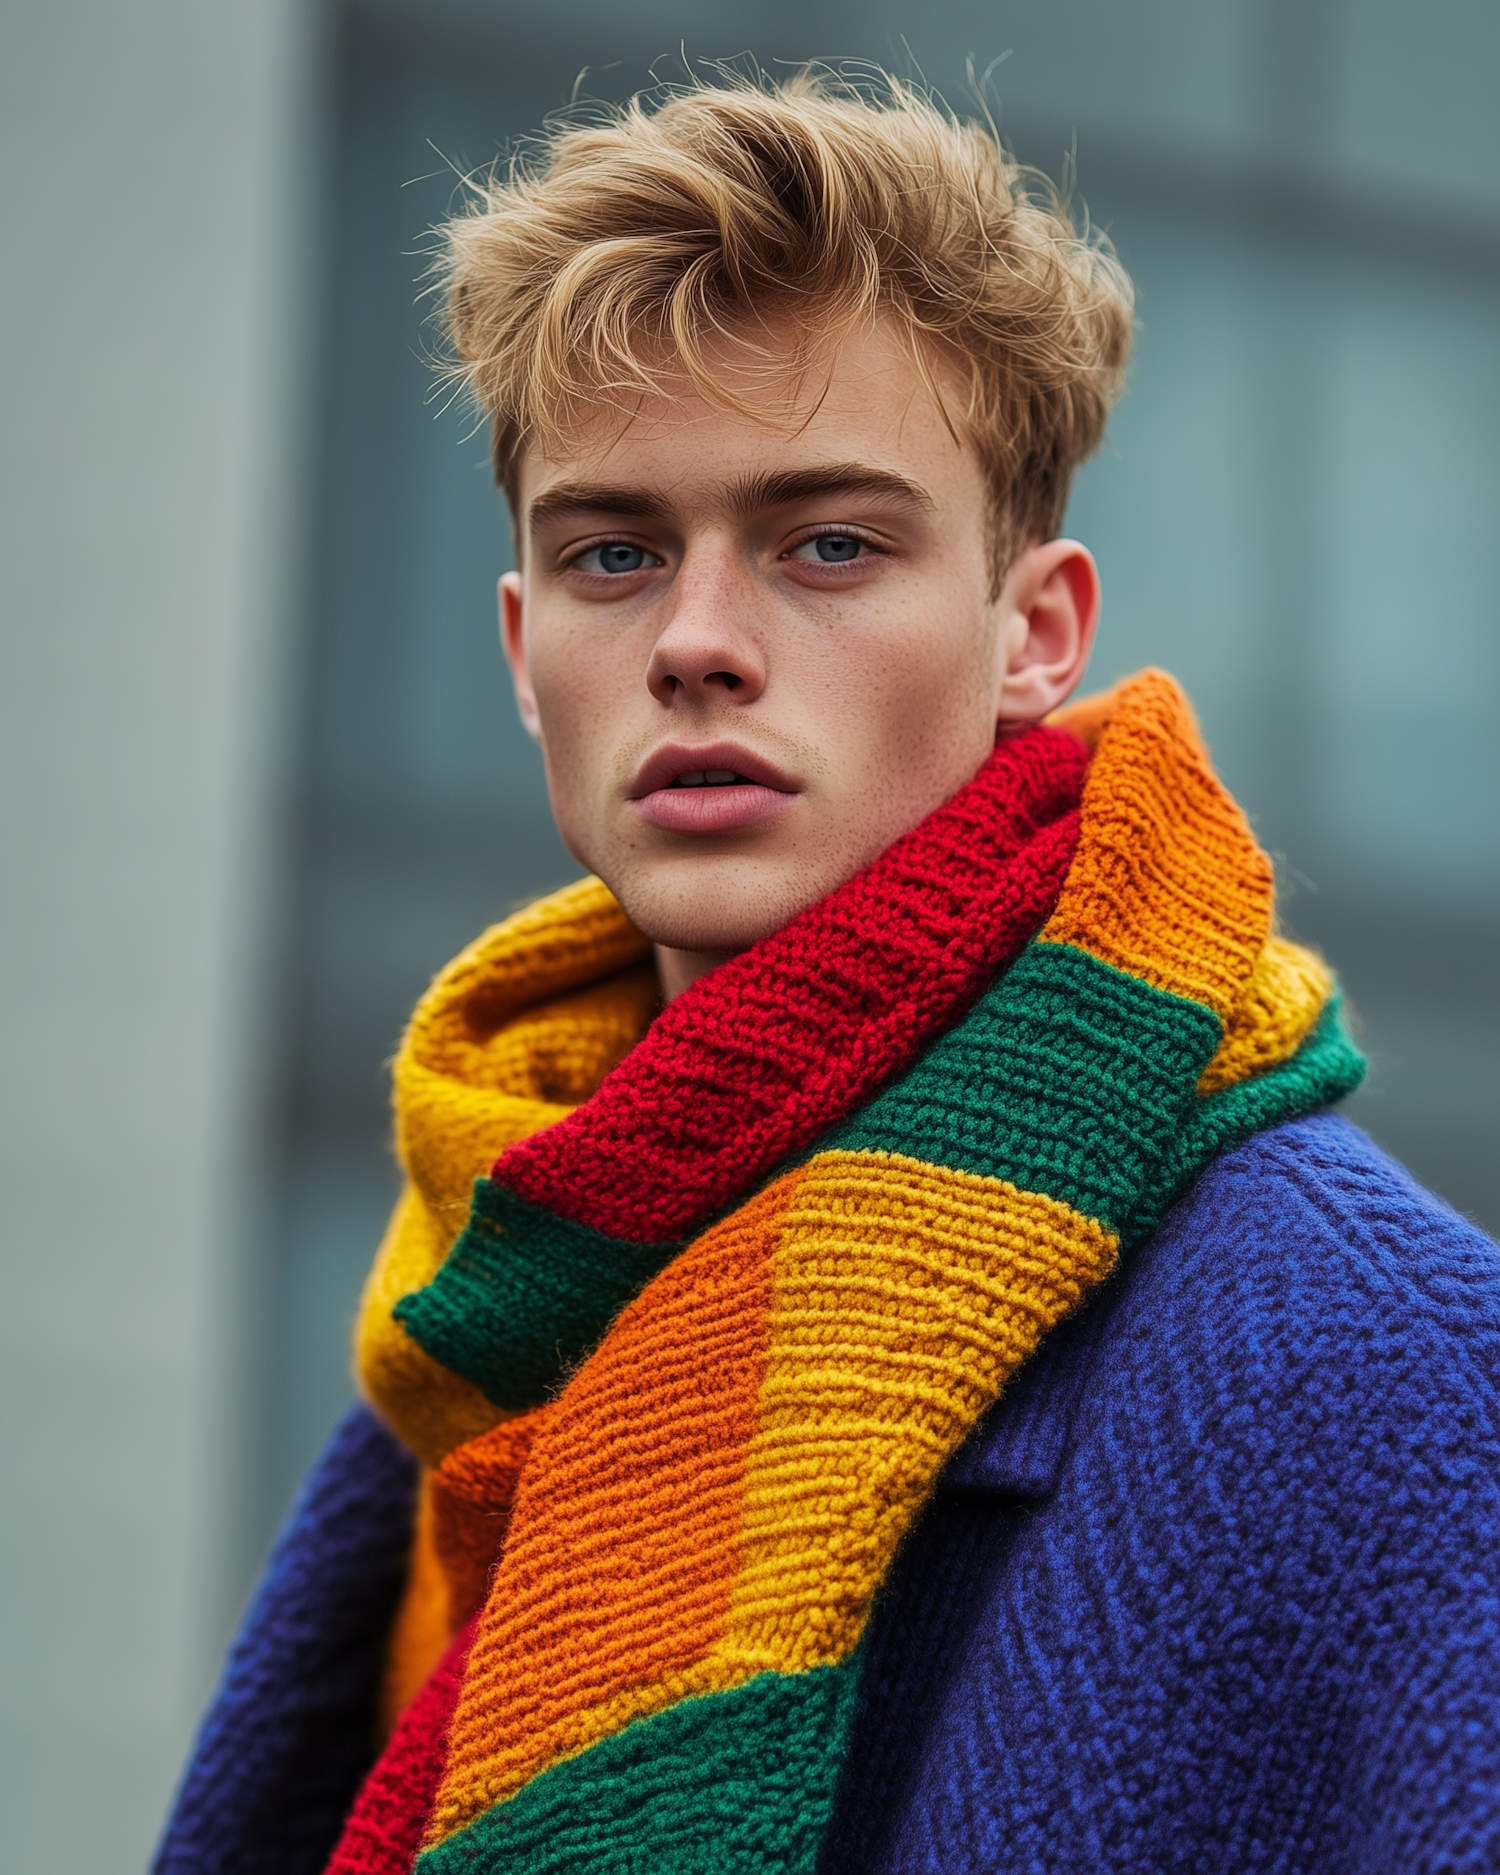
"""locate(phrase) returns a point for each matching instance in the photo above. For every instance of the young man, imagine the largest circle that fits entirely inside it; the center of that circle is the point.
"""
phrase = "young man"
(884, 1361)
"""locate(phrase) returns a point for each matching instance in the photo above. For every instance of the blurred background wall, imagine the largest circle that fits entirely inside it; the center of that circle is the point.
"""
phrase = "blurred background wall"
(262, 775)
(158, 176)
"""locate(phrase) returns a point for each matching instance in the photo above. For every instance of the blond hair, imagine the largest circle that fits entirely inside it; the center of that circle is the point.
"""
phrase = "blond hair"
(604, 267)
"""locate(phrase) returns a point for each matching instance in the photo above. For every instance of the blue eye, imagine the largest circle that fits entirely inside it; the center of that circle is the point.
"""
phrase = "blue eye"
(615, 556)
(835, 549)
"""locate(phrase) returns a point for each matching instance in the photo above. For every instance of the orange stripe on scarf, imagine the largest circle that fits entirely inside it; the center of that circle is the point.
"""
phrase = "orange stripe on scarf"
(1168, 883)
(623, 1542)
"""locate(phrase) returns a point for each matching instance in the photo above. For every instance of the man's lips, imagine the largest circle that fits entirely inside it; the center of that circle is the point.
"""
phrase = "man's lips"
(710, 810)
(712, 788)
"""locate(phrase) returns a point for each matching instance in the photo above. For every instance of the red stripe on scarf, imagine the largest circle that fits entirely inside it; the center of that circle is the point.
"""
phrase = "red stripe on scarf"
(383, 1832)
(758, 1058)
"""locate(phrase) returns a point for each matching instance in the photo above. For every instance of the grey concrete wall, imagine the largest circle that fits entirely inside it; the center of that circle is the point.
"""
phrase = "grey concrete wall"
(156, 173)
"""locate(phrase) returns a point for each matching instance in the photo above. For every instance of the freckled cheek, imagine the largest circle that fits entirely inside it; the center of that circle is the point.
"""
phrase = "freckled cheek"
(913, 667)
(929, 726)
(875, 729)
(578, 700)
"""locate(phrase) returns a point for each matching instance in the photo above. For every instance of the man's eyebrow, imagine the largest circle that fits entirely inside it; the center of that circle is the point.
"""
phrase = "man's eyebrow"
(569, 498)
(748, 494)
(779, 488)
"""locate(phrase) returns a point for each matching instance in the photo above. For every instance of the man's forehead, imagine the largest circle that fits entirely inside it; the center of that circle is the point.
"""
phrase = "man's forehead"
(856, 414)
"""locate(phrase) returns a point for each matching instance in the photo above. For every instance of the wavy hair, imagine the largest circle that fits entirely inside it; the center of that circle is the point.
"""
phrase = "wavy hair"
(616, 257)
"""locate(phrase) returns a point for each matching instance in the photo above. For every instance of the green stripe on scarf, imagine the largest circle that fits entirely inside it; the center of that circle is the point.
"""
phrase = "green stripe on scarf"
(1068, 1078)
(524, 1295)
(737, 1783)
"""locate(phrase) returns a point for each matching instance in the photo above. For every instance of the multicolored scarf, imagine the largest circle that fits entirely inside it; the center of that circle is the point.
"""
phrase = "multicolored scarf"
(735, 1282)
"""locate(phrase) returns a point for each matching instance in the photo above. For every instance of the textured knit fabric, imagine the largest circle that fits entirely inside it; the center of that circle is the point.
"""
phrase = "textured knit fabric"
(1212, 1588)
(384, 1830)
(292, 1728)
(809, 1227)
(1216, 1587)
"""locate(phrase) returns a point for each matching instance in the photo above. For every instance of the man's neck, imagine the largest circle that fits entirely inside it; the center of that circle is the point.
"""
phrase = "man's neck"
(677, 969)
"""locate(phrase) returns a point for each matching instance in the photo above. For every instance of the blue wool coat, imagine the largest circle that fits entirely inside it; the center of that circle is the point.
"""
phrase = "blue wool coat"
(1214, 1587)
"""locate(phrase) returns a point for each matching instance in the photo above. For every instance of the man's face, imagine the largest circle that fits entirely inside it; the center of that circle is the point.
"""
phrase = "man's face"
(756, 653)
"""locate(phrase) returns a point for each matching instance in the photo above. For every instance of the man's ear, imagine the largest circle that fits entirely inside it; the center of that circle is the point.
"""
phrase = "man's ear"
(513, 643)
(1049, 608)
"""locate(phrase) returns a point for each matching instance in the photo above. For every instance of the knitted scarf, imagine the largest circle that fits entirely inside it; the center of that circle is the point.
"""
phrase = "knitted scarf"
(686, 1359)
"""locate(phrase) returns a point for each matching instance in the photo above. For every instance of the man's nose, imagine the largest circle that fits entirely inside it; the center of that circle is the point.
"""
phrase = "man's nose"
(709, 649)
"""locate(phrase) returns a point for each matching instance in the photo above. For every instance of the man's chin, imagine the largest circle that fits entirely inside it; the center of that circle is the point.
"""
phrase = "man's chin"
(718, 910)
